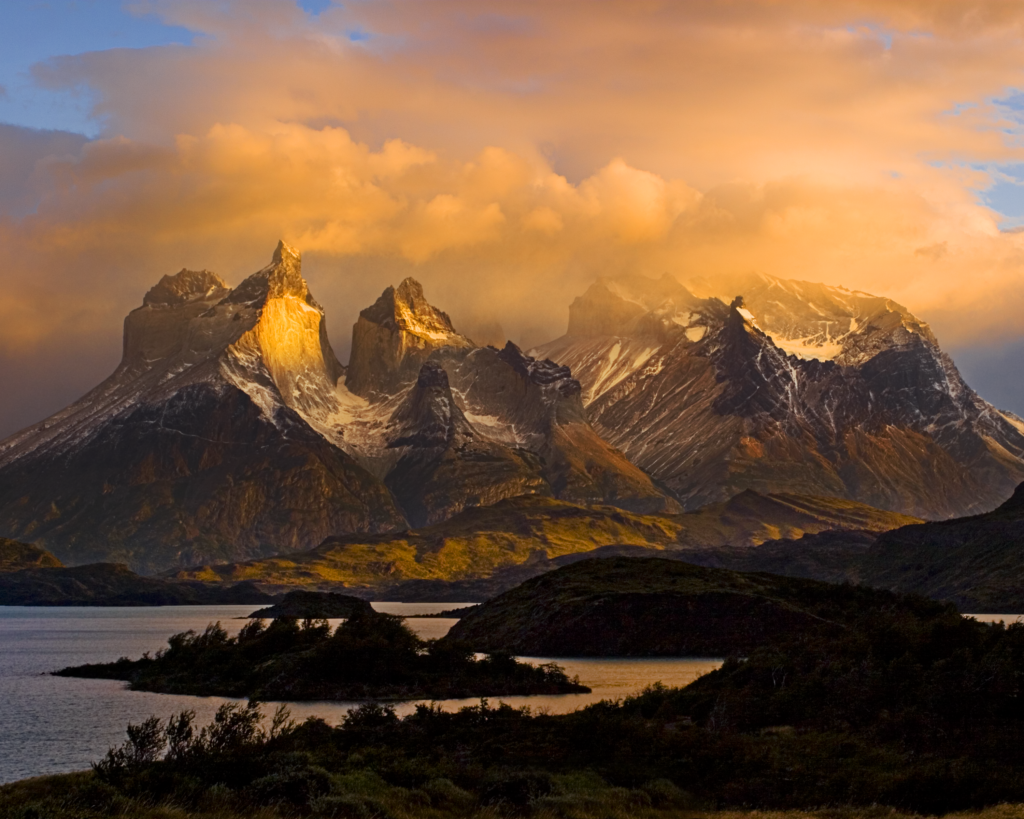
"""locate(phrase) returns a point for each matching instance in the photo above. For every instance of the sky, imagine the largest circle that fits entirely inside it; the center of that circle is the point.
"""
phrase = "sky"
(505, 153)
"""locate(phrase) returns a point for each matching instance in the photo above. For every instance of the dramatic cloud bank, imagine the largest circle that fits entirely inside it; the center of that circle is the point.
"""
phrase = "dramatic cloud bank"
(506, 153)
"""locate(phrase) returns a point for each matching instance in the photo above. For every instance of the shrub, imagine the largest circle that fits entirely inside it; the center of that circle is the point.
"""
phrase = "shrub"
(514, 788)
(145, 743)
(299, 787)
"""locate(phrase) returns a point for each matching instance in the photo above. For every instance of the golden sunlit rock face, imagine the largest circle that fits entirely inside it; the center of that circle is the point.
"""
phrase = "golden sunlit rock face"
(287, 337)
(197, 447)
(847, 143)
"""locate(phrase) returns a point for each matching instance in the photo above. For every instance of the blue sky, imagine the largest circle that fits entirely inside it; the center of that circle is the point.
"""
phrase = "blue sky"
(36, 30)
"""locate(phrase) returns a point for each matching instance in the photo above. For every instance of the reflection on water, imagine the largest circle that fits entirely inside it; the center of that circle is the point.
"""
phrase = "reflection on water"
(610, 679)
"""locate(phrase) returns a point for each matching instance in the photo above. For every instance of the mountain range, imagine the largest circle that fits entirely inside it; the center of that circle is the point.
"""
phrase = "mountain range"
(786, 386)
(230, 431)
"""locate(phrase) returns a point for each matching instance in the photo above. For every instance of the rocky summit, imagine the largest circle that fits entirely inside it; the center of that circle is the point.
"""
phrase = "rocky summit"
(786, 387)
(231, 431)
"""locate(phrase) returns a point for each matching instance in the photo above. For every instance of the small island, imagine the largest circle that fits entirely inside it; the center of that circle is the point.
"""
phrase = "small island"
(370, 656)
(316, 605)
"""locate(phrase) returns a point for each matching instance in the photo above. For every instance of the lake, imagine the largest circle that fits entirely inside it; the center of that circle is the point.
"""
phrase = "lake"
(59, 724)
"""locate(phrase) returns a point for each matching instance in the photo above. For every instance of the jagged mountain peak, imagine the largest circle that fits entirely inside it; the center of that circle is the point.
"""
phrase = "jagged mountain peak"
(443, 464)
(781, 385)
(429, 416)
(184, 286)
(284, 253)
(407, 308)
(649, 292)
(267, 337)
(432, 376)
(543, 371)
(279, 279)
(820, 321)
(224, 418)
(394, 336)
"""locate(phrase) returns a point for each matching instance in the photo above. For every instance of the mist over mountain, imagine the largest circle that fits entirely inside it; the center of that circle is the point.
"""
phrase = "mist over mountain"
(789, 386)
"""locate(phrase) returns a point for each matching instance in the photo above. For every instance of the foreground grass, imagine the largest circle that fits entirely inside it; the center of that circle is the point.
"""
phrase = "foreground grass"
(364, 795)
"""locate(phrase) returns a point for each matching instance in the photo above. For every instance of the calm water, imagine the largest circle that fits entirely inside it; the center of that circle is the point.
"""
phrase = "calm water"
(56, 724)
(1009, 619)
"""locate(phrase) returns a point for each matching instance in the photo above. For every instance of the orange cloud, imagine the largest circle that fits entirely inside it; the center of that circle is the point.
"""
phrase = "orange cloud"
(506, 153)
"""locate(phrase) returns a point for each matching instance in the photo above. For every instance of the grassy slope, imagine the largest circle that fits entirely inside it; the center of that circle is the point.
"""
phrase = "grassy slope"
(480, 541)
(974, 562)
(750, 518)
(82, 796)
(15, 556)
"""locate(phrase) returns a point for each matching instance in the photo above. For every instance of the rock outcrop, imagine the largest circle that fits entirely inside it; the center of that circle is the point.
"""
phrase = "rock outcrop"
(473, 425)
(15, 556)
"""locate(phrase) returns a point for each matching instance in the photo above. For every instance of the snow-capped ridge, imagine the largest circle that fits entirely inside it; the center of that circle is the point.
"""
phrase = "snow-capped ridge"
(627, 306)
(778, 385)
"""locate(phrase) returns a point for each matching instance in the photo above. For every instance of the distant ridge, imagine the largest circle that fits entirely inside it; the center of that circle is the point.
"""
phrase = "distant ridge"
(230, 432)
(485, 550)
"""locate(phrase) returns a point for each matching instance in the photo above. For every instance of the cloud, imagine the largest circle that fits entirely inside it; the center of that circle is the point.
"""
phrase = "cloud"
(506, 154)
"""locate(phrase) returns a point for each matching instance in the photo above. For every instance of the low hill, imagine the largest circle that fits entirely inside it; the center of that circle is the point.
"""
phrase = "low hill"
(751, 518)
(976, 562)
(114, 584)
(303, 605)
(655, 607)
(516, 538)
(473, 544)
(15, 556)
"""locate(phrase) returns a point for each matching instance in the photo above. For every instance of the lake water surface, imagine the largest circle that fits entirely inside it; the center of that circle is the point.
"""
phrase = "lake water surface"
(59, 724)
